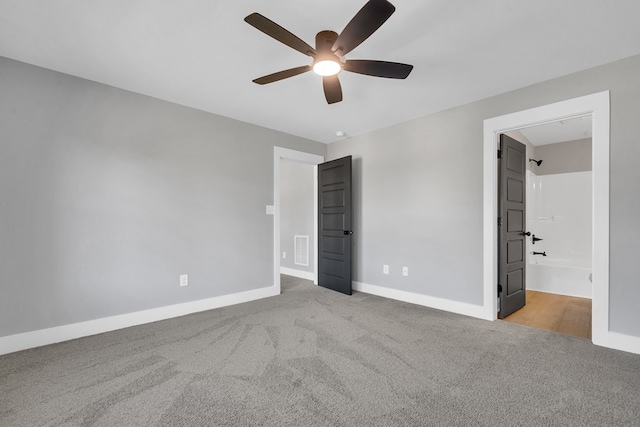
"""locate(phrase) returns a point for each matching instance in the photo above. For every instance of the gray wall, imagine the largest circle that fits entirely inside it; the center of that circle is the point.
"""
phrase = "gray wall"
(296, 211)
(564, 157)
(106, 197)
(418, 192)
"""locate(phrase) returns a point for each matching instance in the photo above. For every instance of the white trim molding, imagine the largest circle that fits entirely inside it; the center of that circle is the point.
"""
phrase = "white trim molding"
(597, 105)
(620, 341)
(24, 341)
(308, 275)
(458, 307)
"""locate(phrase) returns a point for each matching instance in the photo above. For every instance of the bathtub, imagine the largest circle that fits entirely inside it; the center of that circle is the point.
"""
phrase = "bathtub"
(560, 276)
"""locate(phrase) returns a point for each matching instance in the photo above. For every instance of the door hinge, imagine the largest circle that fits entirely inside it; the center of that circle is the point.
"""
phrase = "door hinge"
(499, 154)
(499, 289)
(499, 221)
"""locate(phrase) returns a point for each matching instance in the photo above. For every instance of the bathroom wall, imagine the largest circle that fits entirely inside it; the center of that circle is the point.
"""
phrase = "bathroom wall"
(563, 157)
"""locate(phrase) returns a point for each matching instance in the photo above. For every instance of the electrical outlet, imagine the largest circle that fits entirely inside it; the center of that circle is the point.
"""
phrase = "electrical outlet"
(184, 280)
(284, 255)
(385, 269)
(405, 271)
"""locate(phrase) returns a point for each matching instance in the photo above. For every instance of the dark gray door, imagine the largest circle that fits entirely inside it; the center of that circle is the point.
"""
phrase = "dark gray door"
(511, 226)
(334, 225)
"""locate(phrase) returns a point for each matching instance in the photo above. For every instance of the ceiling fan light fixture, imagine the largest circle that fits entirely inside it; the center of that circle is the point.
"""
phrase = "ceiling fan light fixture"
(328, 56)
(327, 67)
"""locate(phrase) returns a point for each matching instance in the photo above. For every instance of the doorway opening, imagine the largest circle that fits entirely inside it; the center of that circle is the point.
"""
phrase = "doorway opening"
(281, 155)
(558, 228)
(597, 107)
(297, 237)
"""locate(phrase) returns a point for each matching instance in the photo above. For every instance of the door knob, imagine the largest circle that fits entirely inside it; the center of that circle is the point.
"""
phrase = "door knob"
(347, 233)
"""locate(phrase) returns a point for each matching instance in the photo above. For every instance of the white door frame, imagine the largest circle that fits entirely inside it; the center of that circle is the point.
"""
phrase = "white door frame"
(280, 154)
(596, 105)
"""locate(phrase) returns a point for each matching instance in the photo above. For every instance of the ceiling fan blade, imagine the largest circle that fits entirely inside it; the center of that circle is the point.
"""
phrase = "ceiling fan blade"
(284, 74)
(274, 30)
(390, 70)
(332, 89)
(366, 22)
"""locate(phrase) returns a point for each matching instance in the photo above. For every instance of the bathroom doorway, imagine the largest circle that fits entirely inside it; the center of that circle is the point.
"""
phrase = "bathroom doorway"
(597, 106)
(558, 226)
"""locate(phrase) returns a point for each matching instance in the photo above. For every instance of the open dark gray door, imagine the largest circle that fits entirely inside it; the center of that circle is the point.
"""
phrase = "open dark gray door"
(334, 225)
(511, 226)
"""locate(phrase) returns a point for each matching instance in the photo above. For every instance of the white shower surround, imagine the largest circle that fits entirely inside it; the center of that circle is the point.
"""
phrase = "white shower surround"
(559, 212)
(560, 277)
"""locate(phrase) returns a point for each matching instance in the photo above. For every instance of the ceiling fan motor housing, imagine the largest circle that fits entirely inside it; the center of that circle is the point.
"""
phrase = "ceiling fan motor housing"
(325, 61)
(325, 40)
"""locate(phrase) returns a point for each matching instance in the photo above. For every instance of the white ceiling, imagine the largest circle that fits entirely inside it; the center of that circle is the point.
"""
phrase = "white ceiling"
(559, 131)
(201, 53)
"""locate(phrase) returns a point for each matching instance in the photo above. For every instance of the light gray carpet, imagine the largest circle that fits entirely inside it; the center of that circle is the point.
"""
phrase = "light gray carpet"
(318, 358)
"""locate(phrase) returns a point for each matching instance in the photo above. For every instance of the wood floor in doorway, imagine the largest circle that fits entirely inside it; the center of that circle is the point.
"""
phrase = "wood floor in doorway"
(556, 313)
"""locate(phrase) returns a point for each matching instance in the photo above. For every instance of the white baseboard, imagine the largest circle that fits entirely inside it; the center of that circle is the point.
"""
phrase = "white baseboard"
(18, 342)
(618, 341)
(466, 309)
(297, 273)
(614, 340)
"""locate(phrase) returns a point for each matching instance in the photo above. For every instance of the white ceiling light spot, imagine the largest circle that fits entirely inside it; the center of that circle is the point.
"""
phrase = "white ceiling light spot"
(327, 67)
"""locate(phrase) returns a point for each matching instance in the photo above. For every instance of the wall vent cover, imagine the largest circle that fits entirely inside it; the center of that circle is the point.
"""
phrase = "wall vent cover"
(301, 249)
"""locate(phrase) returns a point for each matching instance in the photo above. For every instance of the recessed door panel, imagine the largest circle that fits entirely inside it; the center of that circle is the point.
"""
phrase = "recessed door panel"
(333, 221)
(333, 175)
(333, 267)
(515, 159)
(515, 190)
(515, 220)
(334, 245)
(333, 199)
(514, 251)
(515, 282)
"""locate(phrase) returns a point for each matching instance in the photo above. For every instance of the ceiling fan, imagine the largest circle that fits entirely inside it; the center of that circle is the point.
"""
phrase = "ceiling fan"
(331, 48)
